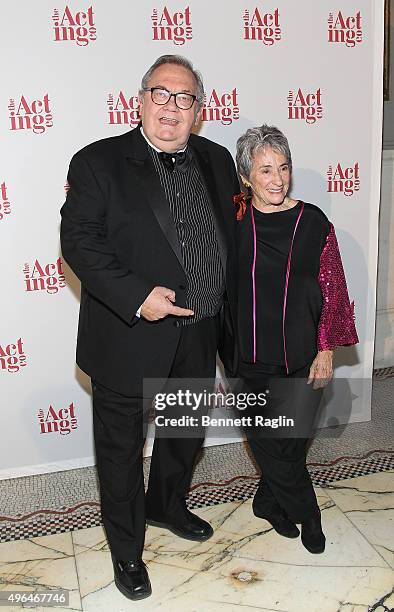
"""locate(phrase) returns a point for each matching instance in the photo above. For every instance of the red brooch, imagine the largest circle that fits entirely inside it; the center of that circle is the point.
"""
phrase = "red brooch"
(240, 205)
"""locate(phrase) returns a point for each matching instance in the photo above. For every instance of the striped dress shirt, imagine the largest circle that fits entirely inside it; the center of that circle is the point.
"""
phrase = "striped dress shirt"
(191, 211)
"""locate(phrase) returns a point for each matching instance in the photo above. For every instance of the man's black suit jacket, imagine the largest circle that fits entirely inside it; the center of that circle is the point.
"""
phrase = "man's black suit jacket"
(118, 236)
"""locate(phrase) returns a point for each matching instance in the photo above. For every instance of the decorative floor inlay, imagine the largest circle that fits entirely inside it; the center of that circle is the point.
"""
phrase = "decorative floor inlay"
(384, 372)
(242, 487)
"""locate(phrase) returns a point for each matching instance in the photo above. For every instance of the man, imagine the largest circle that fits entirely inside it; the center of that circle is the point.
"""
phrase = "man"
(148, 227)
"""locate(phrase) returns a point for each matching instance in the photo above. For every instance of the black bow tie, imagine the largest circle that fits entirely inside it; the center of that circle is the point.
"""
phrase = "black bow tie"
(175, 161)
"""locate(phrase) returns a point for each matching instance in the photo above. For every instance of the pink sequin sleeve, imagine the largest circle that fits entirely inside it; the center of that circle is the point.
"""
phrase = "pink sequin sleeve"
(336, 325)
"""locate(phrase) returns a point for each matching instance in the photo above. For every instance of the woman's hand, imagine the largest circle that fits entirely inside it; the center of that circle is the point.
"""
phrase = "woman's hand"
(321, 370)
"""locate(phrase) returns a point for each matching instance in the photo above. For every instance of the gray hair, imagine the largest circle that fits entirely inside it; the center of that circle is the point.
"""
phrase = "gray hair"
(177, 60)
(259, 138)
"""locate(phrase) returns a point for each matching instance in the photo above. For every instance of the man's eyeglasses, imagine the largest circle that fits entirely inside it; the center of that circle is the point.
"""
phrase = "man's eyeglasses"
(161, 96)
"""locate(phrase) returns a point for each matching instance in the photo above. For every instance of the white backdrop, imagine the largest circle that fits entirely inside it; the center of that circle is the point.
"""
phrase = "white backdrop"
(73, 70)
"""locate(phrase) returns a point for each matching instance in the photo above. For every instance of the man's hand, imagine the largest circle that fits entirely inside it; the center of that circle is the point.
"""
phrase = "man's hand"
(159, 304)
(321, 370)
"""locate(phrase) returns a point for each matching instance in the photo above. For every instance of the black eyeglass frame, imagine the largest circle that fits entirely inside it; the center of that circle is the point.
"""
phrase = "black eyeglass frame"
(152, 89)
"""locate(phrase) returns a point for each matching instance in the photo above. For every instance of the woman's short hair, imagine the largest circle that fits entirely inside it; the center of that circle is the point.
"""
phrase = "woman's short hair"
(259, 138)
(178, 60)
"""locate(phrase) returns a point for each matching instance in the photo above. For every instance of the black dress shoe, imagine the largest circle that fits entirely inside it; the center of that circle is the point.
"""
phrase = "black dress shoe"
(312, 535)
(131, 578)
(193, 528)
(279, 521)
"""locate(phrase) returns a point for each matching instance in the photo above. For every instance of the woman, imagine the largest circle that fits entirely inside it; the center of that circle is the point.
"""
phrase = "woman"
(294, 311)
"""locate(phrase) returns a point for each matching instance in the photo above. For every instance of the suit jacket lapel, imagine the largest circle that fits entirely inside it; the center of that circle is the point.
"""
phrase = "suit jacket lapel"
(145, 172)
(204, 164)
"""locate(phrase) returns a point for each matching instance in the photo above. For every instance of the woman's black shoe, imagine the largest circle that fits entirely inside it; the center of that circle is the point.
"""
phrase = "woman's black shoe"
(312, 535)
(279, 521)
(131, 578)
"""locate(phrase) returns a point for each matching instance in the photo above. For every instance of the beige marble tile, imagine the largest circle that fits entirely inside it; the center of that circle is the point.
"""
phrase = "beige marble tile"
(161, 546)
(284, 587)
(234, 524)
(40, 564)
(51, 547)
(345, 546)
(169, 559)
(96, 573)
(165, 582)
(240, 520)
(368, 501)
(371, 492)
(93, 559)
(245, 566)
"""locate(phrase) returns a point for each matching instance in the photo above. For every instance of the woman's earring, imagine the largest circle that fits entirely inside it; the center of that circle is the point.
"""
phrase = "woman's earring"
(247, 185)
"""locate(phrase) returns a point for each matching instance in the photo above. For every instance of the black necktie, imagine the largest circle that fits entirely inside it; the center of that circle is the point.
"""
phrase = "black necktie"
(175, 161)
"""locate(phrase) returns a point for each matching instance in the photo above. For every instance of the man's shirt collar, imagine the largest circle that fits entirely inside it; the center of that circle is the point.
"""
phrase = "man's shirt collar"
(153, 146)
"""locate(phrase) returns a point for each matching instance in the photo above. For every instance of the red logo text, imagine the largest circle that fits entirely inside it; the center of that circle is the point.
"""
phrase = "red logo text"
(264, 27)
(12, 357)
(176, 27)
(60, 421)
(123, 110)
(78, 27)
(344, 180)
(345, 30)
(49, 277)
(35, 115)
(5, 205)
(307, 107)
(221, 107)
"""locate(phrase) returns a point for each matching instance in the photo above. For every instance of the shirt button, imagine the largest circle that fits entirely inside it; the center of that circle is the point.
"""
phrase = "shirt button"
(178, 195)
(183, 243)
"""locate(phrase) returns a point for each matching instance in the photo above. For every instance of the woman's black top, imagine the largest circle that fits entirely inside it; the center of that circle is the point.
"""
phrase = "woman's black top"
(264, 328)
(274, 232)
(293, 300)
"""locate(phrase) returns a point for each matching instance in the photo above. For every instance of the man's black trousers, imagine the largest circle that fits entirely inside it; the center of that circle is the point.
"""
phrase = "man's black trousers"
(119, 441)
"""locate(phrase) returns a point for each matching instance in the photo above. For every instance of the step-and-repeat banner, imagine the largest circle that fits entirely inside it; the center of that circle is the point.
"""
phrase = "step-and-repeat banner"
(71, 76)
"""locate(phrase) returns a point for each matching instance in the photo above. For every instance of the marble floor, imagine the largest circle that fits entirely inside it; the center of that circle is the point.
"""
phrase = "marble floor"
(245, 566)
